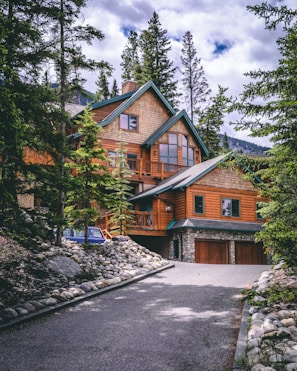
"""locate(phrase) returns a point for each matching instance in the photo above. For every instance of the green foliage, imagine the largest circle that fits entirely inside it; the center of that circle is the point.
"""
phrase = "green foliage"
(268, 107)
(87, 184)
(272, 295)
(194, 81)
(120, 217)
(145, 58)
(210, 121)
(102, 84)
(130, 64)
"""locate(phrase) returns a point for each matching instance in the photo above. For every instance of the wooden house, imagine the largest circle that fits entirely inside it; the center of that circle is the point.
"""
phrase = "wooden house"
(184, 208)
(210, 215)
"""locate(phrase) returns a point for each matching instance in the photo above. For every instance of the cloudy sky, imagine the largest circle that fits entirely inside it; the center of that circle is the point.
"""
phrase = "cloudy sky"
(229, 40)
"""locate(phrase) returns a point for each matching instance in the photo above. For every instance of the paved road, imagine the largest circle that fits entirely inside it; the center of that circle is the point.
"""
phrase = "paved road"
(181, 319)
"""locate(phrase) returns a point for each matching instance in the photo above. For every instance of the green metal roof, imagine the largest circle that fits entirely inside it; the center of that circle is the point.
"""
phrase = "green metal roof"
(218, 225)
(183, 178)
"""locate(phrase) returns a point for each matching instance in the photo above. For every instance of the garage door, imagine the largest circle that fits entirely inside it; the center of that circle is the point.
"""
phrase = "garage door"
(249, 253)
(211, 252)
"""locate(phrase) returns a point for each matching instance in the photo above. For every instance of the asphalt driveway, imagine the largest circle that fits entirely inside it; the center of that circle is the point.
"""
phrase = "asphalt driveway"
(183, 318)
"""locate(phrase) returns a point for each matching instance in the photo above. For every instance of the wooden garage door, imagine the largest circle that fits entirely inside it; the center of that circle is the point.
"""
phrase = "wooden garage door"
(249, 253)
(211, 252)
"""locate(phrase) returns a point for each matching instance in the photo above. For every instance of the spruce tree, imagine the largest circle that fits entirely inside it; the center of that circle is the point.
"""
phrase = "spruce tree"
(114, 90)
(102, 84)
(196, 88)
(211, 121)
(119, 206)
(268, 107)
(89, 177)
(68, 36)
(26, 117)
(155, 63)
(130, 64)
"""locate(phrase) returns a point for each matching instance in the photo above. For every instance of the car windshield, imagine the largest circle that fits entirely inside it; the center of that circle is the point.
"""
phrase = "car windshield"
(95, 232)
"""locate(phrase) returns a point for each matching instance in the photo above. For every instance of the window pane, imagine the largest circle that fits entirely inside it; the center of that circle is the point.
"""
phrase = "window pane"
(235, 207)
(199, 205)
(173, 151)
(123, 121)
(184, 141)
(172, 138)
(226, 207)
(190, 156)
(163, 150)
(132, 122)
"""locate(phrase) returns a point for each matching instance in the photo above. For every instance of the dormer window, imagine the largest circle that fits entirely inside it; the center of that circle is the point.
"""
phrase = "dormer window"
(128, 122)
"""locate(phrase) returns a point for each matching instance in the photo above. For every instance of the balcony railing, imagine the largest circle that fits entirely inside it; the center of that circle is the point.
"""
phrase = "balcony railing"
(142, 168)
(144, 220)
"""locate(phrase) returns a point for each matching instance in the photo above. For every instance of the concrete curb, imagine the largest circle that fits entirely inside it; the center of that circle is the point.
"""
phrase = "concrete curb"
(52, 309)
(240, 352)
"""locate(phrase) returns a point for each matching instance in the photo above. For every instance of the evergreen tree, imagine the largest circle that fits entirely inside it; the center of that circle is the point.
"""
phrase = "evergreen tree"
(269, 107)
(26, 119)
(211, 122)
(68, 57)
(194, 81)
(225, 143)
(121, 190)
(114, 90)
(130, 58)
(90, 176)
(102, 84)
(155, 64)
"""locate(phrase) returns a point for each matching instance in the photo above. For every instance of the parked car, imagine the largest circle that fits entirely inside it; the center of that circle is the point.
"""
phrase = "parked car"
(95, 235)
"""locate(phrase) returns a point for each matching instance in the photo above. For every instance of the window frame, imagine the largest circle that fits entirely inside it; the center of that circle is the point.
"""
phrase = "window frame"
(171, 149)
(202, 204)
(187, 152)
(129, 118)
(233, 208)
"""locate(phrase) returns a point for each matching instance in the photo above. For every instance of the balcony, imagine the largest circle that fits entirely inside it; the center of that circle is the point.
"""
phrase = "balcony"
(142, 168)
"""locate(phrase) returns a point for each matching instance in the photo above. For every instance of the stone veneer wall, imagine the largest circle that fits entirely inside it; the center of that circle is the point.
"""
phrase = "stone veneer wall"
(186, 242)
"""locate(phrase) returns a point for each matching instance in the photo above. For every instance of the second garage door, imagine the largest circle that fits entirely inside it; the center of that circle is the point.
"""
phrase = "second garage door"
(211, 252)
(249, 253)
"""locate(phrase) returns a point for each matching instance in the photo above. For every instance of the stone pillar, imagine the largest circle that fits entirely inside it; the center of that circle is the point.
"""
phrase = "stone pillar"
(232, 252)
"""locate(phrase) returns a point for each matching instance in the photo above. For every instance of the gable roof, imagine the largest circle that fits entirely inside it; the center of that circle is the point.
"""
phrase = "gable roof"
(138, 93)
(169, 123)
(183, 178)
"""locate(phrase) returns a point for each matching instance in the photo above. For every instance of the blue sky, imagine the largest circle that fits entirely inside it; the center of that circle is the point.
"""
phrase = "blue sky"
(229, 40)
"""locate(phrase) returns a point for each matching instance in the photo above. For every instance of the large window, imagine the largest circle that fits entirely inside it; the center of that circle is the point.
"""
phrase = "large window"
(168, 152)
(230, 207)
(199, 204)
(128, 122)
(188, 152)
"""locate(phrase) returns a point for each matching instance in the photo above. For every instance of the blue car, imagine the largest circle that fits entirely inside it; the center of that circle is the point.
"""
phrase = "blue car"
(95, 235)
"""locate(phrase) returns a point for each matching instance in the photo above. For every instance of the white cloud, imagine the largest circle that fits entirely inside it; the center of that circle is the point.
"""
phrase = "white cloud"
(228, 22)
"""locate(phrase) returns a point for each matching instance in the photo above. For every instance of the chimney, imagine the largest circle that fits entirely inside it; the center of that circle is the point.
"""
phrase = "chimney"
(129, 86)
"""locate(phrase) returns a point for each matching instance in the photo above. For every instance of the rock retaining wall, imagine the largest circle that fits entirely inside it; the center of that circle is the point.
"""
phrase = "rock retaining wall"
(53, 275)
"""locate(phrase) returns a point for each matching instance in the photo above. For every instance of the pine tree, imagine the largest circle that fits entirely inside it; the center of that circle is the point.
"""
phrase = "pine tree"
(269, 107)
(90, 176)
(102, 84)
(26, 120)
(211, 121)
(121, 190)
(114, 90)
(130, 58)
(155, 64)
(225, 143)
(194, 81)
(67, 36)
